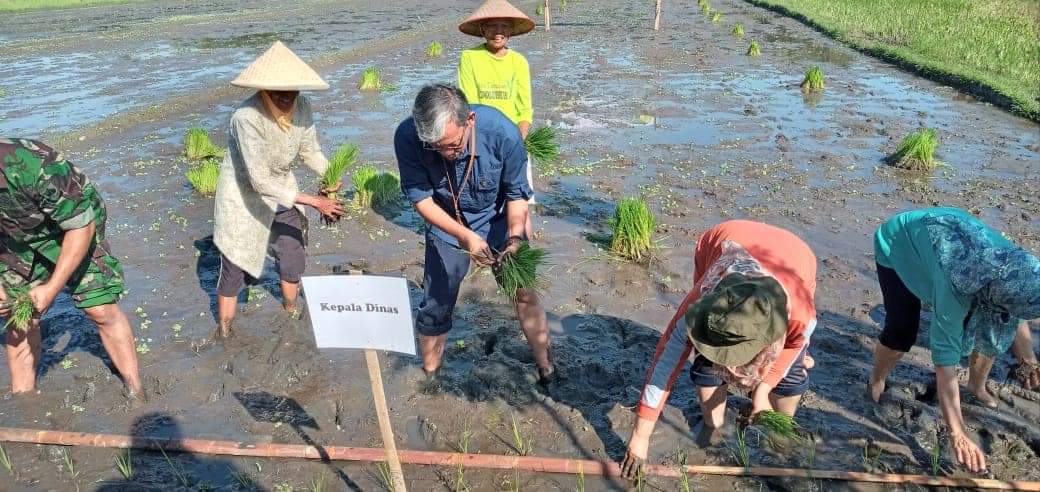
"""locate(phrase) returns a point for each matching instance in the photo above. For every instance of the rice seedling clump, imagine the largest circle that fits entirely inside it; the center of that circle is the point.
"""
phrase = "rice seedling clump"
(778, 423)
(198, 146)
(705, 6)
(540, 9)
(22, 309)
(716, 17)
(375, 189)
(813, 80)
(541, 144)
(753, 49)
(203, 177)
(344, 158)
(370, 80)
(633, 228)
(434, 50)
(738, 30)
(520, 270)
(917, 151)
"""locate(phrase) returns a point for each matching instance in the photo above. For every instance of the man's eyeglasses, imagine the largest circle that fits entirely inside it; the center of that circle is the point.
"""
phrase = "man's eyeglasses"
(453, 147)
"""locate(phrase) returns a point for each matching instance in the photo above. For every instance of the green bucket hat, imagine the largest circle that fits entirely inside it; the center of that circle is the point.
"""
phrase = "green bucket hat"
(736, 320)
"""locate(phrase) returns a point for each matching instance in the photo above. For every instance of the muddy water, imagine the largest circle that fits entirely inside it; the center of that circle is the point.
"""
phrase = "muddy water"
(679, 115)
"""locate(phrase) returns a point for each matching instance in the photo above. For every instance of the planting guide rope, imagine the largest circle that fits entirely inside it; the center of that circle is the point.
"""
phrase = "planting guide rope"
(526, 463)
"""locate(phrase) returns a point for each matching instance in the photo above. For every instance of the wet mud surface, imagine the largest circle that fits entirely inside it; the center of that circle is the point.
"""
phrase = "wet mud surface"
(679, 115)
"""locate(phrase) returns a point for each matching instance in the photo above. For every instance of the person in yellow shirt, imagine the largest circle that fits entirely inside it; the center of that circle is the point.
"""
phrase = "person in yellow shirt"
(494, 75)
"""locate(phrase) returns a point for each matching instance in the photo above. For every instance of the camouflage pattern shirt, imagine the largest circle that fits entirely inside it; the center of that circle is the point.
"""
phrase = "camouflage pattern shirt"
(41, 196)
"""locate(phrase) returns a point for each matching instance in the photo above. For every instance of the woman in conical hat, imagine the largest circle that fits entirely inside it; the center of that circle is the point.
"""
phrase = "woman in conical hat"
(259, 206)
(492, 74)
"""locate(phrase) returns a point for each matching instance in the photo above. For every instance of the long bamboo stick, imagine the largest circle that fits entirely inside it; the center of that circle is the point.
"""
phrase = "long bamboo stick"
(526, 463)
(375, 377)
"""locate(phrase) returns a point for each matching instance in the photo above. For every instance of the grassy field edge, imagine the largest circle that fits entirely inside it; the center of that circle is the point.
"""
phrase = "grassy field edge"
(979, 89)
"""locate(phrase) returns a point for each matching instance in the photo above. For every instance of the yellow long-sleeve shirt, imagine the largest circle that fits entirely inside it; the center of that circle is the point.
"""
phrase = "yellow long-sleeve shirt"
(503, 83)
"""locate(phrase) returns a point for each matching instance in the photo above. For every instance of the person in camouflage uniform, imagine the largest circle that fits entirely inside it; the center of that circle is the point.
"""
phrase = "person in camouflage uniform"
(52, 236)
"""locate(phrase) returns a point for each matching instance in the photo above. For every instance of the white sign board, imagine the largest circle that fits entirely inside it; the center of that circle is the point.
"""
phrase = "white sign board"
(360, 311)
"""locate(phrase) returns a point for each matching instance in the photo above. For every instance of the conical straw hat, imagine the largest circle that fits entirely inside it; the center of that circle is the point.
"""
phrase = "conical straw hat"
(279, 69)
(497, 9)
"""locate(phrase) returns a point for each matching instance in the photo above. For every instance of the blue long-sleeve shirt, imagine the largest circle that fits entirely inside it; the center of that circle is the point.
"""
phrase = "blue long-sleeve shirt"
(498, 175)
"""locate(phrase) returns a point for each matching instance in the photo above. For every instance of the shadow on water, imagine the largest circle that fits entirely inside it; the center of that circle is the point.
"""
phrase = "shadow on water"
(65, 330)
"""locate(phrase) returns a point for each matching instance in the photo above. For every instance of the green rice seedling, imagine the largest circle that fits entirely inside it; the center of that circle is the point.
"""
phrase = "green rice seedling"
(705, 7)
(716, 17)
(22, 309)
(581, 479)
(362, 193)
(344, 158)
(5, 460)
(70, 466)
(182, 478)
(917, 151)
(385, 189)
(243, 478)
(385, 478)
(542, 146)
(810, 455)
(738, 30)
(520, 270)
(125, 464)
(462, 446)
(684, 476)
(434, 50)
(870, 463)
(937, 455)
(778, 423)
(741, 453)
(318, 484)
(540, 9)
(204, 177)
(198, 146)
(754, 50)
(640, 484)
(522, 448)
(370, 80)
(813, 80)
(633, 228)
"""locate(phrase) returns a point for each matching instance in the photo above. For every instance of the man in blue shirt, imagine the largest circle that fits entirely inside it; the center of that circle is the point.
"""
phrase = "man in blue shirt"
(463, 168)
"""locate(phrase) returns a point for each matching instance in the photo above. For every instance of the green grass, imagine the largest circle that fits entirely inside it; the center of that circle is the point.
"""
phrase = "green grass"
(520, 270)
(753, 49)
(344, 158)
(813, 80)
(917, 151)
(23, 5)
(435, 49)
(203, 177)
(738, 30)
(989, 47)
(198, 146)
(632, 229)
(22, 309)
(375, 189)
(542, 146)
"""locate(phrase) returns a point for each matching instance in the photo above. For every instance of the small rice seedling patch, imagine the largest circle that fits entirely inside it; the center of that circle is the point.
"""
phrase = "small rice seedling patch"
(738, 30)
(434, 50)
(541, 144)
(317, 484)
(716, 17)
(540, 9)
(375, 189)
(386, 480)
(754, 50)
(917, 151)
(371, 80)
(520, 270)
(22, 309)
(125, 464)
(937, 451)
(198, 146)
(521, 446)
(344, 158)
(203, 177)
(705, 6)
(69, 464)
(581, 479)
(5, 460)
(778, 423)
(632, 230)
(813, 80)
(741, 452)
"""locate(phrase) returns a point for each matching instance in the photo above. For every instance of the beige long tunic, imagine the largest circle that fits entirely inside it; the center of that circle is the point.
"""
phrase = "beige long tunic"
(256, 179)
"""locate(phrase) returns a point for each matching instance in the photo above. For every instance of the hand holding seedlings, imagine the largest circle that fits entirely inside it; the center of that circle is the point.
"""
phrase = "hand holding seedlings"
(478, 249)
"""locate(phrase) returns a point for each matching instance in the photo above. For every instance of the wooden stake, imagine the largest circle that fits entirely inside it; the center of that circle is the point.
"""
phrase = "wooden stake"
(375, 377)
(546, 9)
(657, 17)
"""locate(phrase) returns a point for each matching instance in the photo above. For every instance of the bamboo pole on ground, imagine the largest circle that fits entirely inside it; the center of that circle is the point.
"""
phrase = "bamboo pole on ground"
(657, 17)
(375, 377)
(525, 463)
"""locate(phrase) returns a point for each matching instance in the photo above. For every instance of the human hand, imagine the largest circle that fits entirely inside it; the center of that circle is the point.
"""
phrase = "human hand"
(760, 400)
(331, 209)
(333, 189)
(43, 297)
(638, 445)
(5, 309)
(512, 246)
(968, 453)
(1028, 374)
(477, 248)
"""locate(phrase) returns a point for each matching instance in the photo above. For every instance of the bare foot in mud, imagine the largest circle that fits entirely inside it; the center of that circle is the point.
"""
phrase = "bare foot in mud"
(875, 390)
(431, 382)
(707, 437)
(223, 331)
(135, 398)
(981, 396)
(293, 310)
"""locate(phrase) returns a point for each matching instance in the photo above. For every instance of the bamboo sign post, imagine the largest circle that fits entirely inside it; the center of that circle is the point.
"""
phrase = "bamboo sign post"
(370, 313)
(546, 10)
(657, 17)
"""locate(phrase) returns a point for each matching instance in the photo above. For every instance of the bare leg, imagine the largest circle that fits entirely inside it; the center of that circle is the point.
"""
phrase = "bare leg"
(785, 404)
(290, 292)
(713, 405)
(978, 373)
(226, 307)
(23, 352)
(535, 326)
(432, 351)
(885, 359)
(118, 341)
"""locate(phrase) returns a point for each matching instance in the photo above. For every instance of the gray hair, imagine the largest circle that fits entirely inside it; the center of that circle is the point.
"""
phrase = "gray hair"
(434, 106)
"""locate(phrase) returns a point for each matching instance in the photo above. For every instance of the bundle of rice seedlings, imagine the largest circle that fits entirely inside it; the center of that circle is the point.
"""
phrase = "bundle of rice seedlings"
(22, 309)
(777, 423)
(198, 146)
(540, 9)
(370, 80)
(813, 80)
(203, 177)
(434, 50)
(633, 228)
(360, 179)
(738, 30)
(374, 189)
(753, 49)
(716, 17)
(917, 151)
(541, 144)
(520, 270)
(344, 158)
(705, 6)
